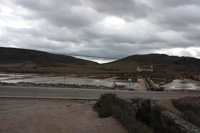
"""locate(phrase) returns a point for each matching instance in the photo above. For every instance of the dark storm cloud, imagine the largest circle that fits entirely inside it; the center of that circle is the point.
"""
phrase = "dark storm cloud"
(112, 51)
(175, 3)
(179, 18)
(109, 28)
(118, 50)
(120, 38)
(122, 8)
(61, 13)
(37, 33)
(193, 35)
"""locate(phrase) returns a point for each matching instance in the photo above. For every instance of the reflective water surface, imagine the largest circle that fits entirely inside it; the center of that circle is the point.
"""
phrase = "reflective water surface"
(181, 84)
(12, 78)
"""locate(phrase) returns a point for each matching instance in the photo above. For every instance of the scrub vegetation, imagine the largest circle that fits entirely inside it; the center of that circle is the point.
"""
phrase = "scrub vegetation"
(190, 108)
(110, 105)
(144, 119)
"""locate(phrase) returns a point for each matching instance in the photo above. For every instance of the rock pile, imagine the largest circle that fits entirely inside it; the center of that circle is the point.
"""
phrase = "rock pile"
(137, 103)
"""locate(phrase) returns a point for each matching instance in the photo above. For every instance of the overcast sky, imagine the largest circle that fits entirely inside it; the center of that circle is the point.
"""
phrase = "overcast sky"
(103, 28)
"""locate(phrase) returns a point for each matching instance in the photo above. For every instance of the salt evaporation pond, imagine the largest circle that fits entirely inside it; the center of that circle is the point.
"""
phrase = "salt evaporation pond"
(181, 84)
(68, 80)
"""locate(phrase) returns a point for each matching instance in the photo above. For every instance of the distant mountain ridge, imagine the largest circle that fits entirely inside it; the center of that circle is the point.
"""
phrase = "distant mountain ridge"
(16, 55)
(160, 61)
(128, 64)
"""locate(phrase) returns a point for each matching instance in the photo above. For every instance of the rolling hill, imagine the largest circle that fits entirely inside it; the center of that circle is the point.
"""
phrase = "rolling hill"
(15, 55)
(51, 62)
(159, 62)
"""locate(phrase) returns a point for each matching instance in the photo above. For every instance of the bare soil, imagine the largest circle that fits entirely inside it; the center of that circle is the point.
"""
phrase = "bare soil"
(193, 81)
(53, 116)
(190, 100)
(167, 104)
(141, 85)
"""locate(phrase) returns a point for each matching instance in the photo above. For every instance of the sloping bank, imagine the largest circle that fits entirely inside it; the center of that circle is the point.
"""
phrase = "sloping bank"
(136, 115)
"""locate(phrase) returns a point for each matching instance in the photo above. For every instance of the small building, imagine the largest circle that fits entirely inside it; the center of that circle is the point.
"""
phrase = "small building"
(147, 68)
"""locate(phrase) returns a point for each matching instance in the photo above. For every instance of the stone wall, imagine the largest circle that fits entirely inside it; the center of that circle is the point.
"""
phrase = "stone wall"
(180, 124)
(168, 119)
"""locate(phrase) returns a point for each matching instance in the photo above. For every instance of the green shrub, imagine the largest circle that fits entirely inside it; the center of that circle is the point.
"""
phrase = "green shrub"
(190, 112)
(184, 107)
(151, 116)
(158, 125)
(191, 117)
(110, 105)
(156, 122)
(143, 113)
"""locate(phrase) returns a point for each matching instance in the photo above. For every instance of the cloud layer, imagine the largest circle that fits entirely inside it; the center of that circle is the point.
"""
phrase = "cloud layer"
(114, 28)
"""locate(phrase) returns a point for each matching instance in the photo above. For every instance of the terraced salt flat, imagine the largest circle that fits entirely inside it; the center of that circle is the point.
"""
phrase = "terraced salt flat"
(181, 84)
(65, 80)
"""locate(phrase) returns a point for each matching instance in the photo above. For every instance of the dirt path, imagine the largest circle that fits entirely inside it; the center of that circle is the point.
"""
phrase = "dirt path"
(192, 81)
(167, 104)
(52, 116)
(141, 85)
